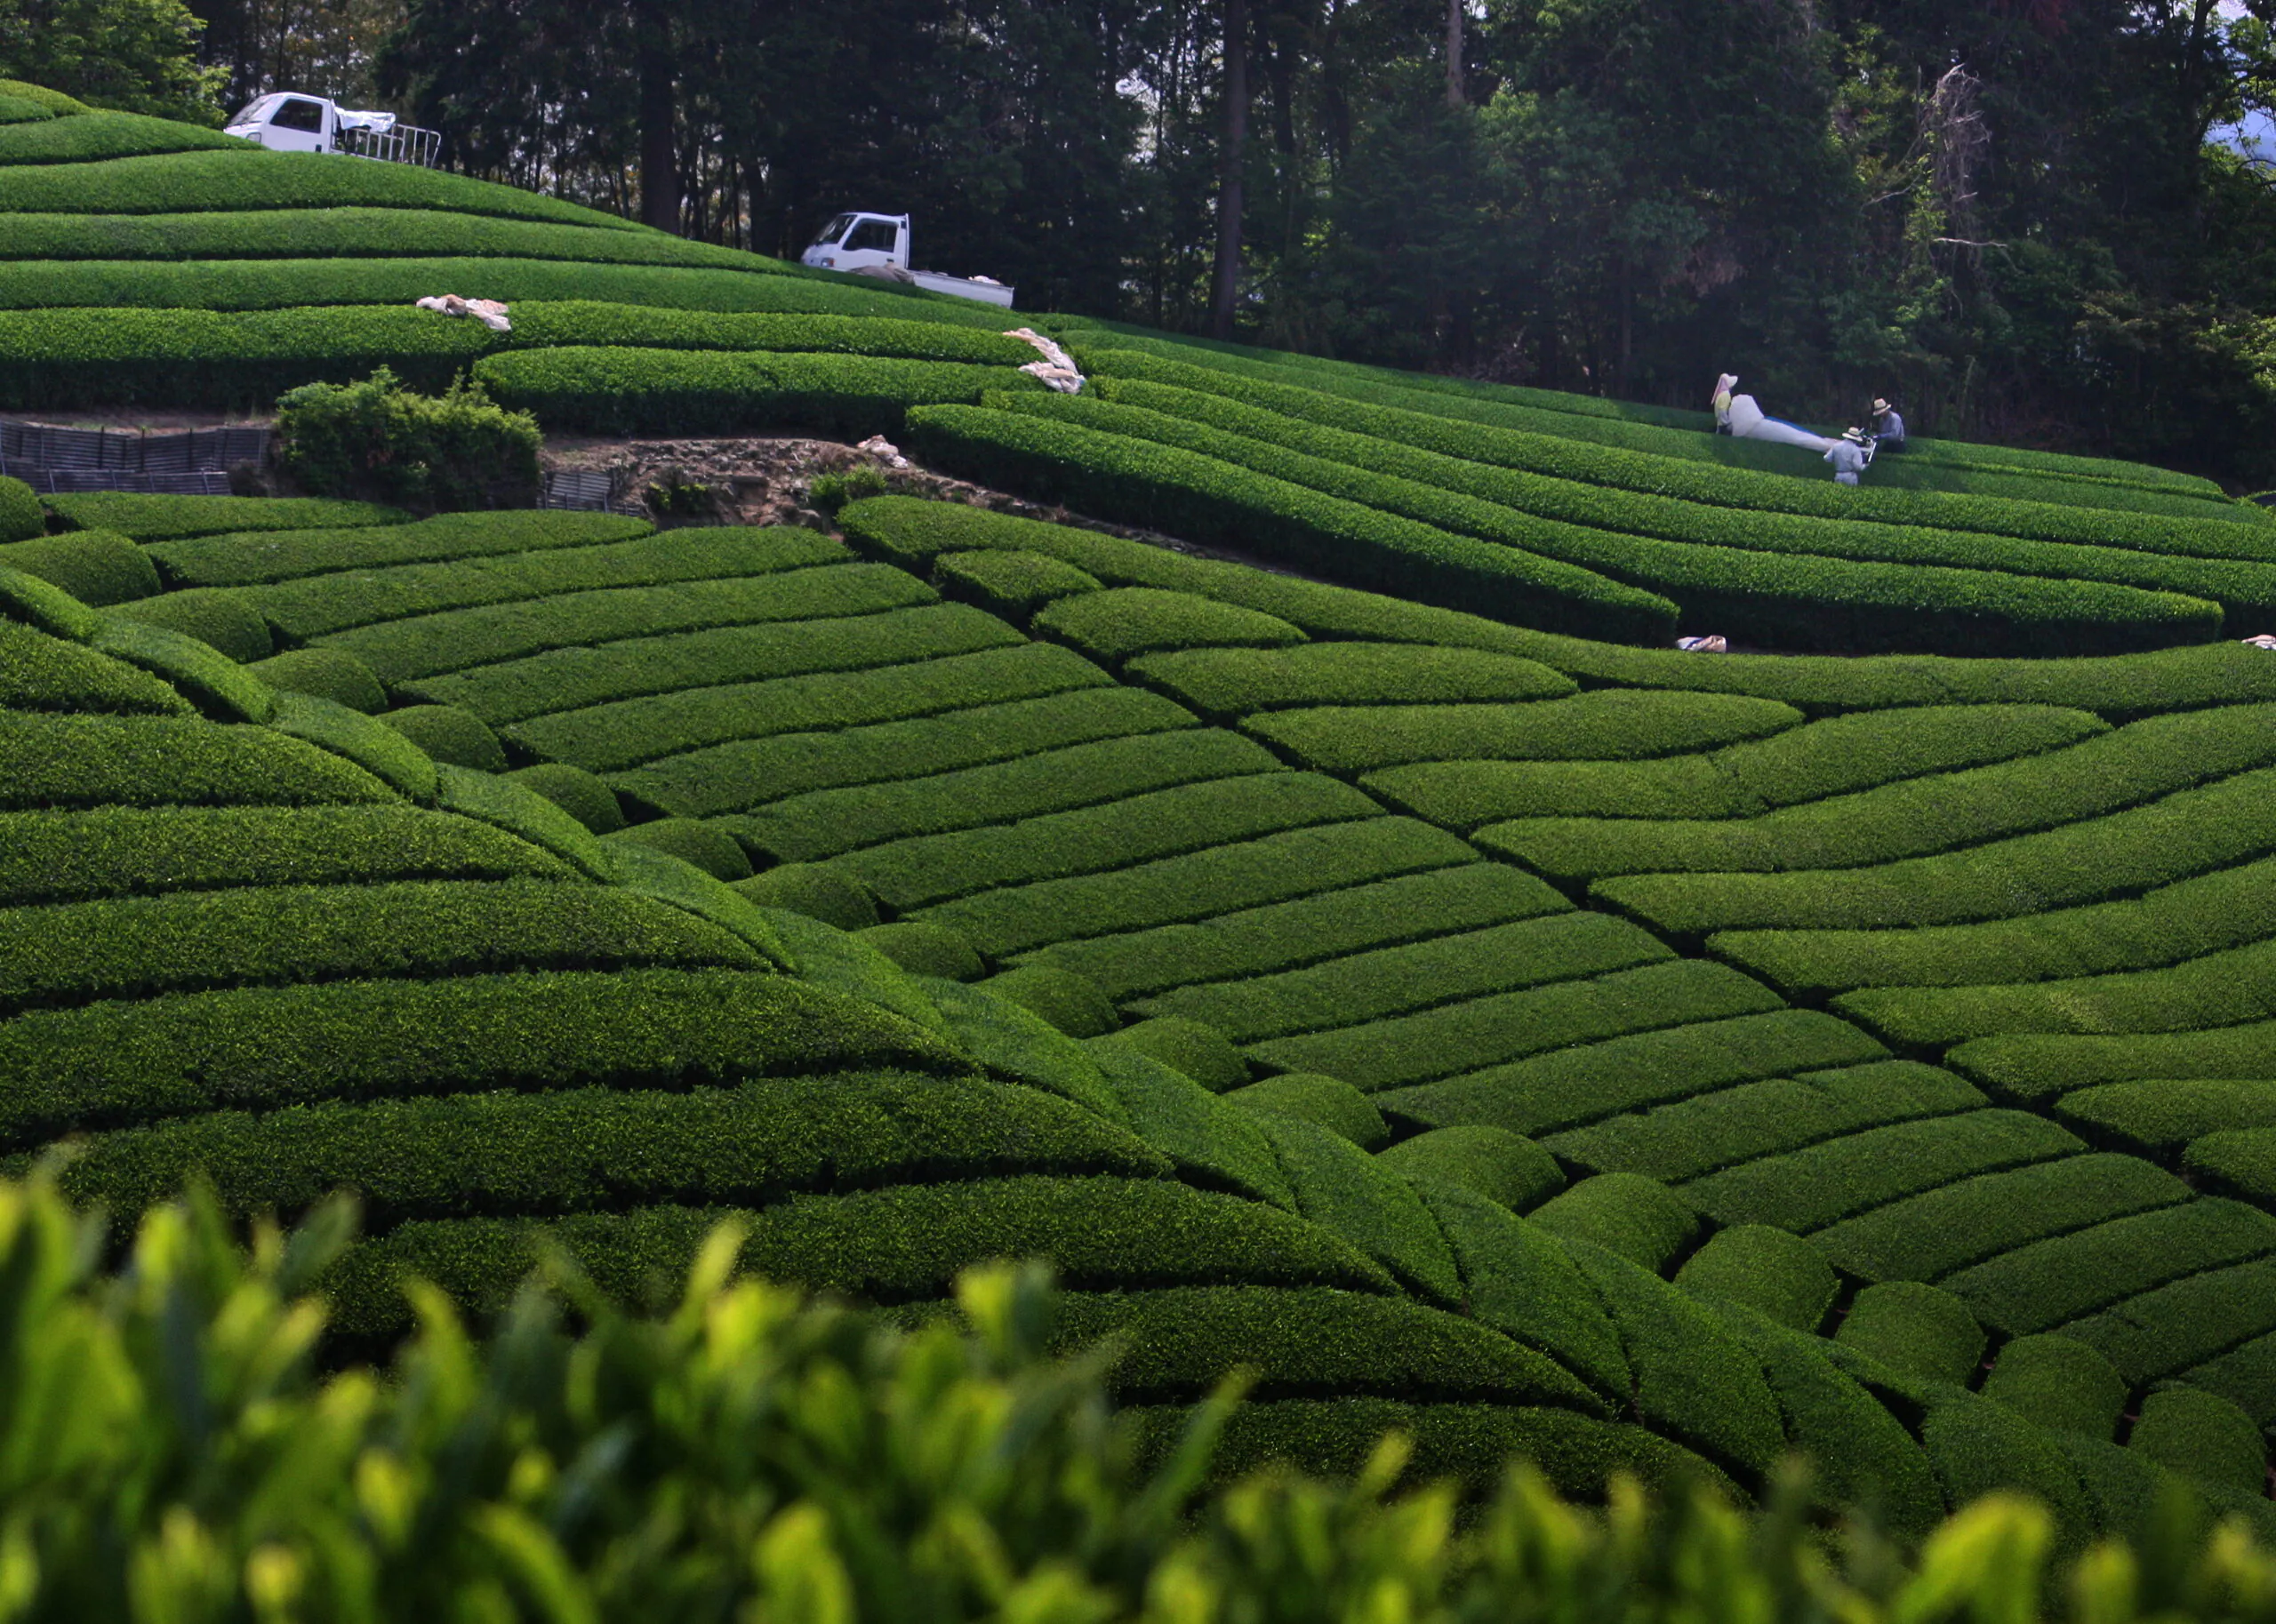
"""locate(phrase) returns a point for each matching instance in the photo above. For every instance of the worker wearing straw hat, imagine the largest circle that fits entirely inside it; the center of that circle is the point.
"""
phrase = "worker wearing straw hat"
(1887, 427)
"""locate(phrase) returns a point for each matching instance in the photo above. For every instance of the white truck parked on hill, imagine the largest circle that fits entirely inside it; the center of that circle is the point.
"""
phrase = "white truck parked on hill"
(286, 120)
(879, 245)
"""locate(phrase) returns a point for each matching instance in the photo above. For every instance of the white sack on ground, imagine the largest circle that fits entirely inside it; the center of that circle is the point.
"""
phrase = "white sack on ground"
(1749, 423)
(1057, 369)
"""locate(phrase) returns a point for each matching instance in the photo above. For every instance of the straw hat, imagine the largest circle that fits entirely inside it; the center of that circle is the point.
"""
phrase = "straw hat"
(1880, 405)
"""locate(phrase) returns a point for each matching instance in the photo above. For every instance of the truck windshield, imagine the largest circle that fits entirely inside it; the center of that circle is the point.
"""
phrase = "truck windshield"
(831, 232)
(871, 237)
(299, 115)
(250, 113)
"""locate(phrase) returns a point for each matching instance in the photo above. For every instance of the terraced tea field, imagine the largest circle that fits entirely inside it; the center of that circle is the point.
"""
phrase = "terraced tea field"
(1399, 977)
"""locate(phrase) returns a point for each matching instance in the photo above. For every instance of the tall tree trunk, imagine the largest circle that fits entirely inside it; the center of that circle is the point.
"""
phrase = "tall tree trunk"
(1234, 157)
(659, 143)
(1455, 18)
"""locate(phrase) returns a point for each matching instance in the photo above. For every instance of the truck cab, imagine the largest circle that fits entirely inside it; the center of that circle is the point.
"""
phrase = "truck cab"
(286, 120)
(855, 242)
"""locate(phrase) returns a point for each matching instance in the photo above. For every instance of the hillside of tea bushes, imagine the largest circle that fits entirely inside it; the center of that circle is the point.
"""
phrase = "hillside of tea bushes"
(1421, 988)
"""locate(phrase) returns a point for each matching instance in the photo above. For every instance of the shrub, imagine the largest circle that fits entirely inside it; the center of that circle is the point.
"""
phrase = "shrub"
(1929, 1235)
(578, 793)
(449, 734)
(55, 102)
(1283, 935)
(2059, 1383)
(2201, 1434)
(1396, 980)
(1192, 1048)
(1068, 1001)
(1639, 1219)
(747, 772)
(1012, 584)
(378, 440)
(169, 519)
(212, 681)
(247, 560)
(20, 514)
(370, 743)
(1585, 1082)
(692, 840)
(1612, 724)
(329, 674)
(826, 822)
(1809, 1189)
(1503, 1167)
(1490, 1032)
(1327, 1102)
(507, 805)
(1344, 1190)
(925, 949)
(1735, 575)
(1200, 884)
(2242, 1160)
(2028, 1065)
(18, 110)
(1113, 625)
(221, 620)
(934, 869)
(99, 567)
(627, 390)
(93, 136)
(1212, 1145)
(52, 857)
(1916, 1329)
(1776, 1274)
(1207, 500)
(2062, 1280)
(812, 890)
(2162, 1117)
(42, 672)
(830, 491)
(1236, 682)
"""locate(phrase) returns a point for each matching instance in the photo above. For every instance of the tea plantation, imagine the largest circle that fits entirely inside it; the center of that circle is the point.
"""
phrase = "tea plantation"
(1399, 977)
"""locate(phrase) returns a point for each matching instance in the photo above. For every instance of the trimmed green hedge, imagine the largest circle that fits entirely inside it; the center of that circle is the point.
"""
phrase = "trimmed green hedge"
(2030, 1066)
(2135, 850)
(18, 110)
(566, 676)
(1605, 723)
(1192, 1048)
(57, 857)
(93, 136)
(1581, 1084)
(2059, 1280)
(1407, 474)
(1685, 1139)
(2186, 920)
(1929, 1235)
(257, 559)
(2205, 531)
(472, 1155)
(1012, 584)
(808, 889)
(921, 948)
(328, 674)
(1203, 500)
(1916, 1329)
(1286, 935)
(1326, 1102)
(59, 761)
(256, 1048)
(1238, 682)
(2133, 764)
(1397, 980)
(371, 744)
(2160, 1117)
(172, 519)
(1071, 1002)
(701, 844)
(2219, 989)
(2240, 1160)
(1201, 884)
(1810, 1188)
(21, 517)
(2058, 1383)
(1840, 756)
(750, 773)
(220, 618)
(1212, 1145)
(1994, 596)
(579, 794)
(450, 733)
(1638, 1219)
(1492, 1031)
(934, 868)
(42, 672)
(2198, 1323)
(635, 732)
(274, 285)
(824, 823)
(244, 177)
(667, 391)
(1776, 1273)
(1526, 1285)
(1503, 1167)
(2201, 1434)
(1115, 624)
(99, 567)
(1344, 1190)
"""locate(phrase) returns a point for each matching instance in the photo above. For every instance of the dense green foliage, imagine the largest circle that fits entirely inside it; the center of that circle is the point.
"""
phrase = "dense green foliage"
(378, 440)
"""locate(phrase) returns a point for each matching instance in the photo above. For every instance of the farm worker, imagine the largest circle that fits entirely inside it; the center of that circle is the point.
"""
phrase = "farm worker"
(1723, 385)
(1888, 427)
(1850, 455)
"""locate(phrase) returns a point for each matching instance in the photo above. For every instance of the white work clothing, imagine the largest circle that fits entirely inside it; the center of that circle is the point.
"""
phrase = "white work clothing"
(1848, 459)
(1890, 427)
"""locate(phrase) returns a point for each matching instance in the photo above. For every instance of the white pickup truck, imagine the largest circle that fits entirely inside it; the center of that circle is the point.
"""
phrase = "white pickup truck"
(288, 122)
(880, 242)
